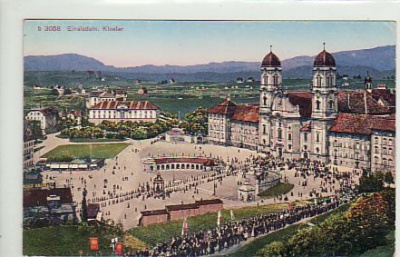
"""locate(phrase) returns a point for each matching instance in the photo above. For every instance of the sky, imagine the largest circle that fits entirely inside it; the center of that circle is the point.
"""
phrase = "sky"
(142, 42)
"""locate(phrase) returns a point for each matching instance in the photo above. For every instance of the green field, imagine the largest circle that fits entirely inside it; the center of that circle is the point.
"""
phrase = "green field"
(280, 189)
(96, 151)
(158, 233)
(62, 241)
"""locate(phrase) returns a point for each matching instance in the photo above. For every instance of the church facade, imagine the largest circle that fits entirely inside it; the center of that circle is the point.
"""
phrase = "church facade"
(323, 123)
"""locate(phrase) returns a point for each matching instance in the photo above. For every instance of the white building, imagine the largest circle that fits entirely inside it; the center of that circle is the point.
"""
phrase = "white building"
(96, 97)
(46, 116)
(117, 111)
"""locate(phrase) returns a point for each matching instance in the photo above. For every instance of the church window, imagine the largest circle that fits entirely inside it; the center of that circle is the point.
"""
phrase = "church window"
(265, 100)
(290, 147)
(317, 139)
(289, 136)
(276, 78)
(279, 133)
(305, 137)
(264, 129)
(331, 104)
(317, 150)
(264, 141)
(318, 105)
(319, 79)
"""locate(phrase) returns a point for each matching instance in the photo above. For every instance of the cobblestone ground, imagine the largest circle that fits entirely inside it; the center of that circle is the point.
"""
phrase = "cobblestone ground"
(125, 173)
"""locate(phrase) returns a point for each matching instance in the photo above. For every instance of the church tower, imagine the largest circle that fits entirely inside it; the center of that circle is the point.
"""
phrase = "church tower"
(324, 88)
(324, 103)
(368, 83)
(271, 84)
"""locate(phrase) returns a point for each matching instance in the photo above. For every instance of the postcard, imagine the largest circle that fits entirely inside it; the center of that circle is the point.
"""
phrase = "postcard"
(208, 138)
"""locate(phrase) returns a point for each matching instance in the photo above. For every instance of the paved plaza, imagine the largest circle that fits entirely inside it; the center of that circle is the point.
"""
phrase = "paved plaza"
(124, 174)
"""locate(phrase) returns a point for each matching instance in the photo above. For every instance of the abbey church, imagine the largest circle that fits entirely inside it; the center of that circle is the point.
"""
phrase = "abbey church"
(353, 128)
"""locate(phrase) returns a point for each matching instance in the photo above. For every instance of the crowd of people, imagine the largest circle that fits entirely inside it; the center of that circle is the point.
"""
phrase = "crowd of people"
(233, 232)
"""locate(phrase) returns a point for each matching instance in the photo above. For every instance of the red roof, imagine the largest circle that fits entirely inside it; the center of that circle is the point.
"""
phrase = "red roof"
(154, 212)
(361, 124)
(384, 124)
(210, 201)
(38, 197)
(131, 105)
(271, 60)
(179, 207)
(324, 59)
(227, 107)
(361, 101)
(303, 100)
(198, 160)
(249, 113)
(306, 127)
(92, 210)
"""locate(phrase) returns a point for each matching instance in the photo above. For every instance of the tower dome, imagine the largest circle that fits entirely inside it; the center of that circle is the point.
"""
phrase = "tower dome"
(324, 59)
(271, 60)
(368, 78)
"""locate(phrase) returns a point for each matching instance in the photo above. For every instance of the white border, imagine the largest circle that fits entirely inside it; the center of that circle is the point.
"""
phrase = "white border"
(12, 13)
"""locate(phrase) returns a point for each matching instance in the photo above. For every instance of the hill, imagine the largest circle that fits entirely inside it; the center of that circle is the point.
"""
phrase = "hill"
(380, 61)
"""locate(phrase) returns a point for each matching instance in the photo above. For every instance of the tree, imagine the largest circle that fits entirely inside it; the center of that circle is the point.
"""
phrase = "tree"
(84, 207)
(370, 183)
(274, 249)
(388, 178)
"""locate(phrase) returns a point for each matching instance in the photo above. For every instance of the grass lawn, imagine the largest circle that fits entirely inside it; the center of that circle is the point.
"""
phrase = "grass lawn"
(87, 150)
(158, 233)
(95, 140)
(280, 189)
(61, 241)
(252, 248)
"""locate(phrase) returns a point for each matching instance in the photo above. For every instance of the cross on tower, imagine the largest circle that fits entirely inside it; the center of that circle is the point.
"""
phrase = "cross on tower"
(324, 46)
(270, 48)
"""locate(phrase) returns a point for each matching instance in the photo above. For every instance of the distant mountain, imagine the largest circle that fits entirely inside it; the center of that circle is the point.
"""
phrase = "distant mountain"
(378, 60)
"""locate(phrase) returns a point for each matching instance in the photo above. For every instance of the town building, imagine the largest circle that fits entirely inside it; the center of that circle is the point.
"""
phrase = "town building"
(29, 143)
(45, 207)
(96, 97)
(323, 123)
(46, 116)
(179, 163)
(116, 111)
(180, 211)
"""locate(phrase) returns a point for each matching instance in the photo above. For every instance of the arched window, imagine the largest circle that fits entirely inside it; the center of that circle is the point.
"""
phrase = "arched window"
(319, 80)
(376, 160)
(289, 136)
(276, 79)
(279, 133)
(264, 129)
(265, 100)
(329, 81)
(317, 105)
(331, 104)
(317, 150)
(317, 137)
